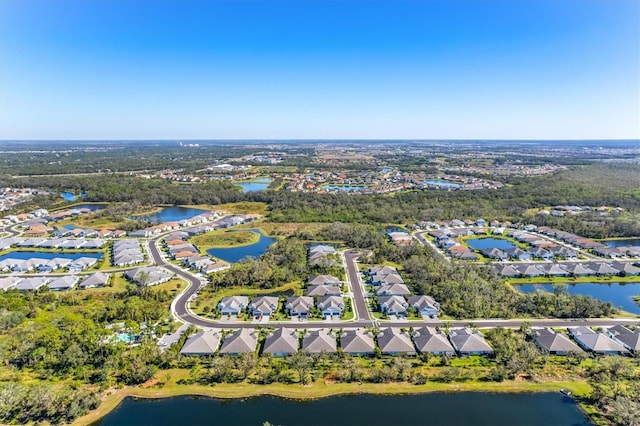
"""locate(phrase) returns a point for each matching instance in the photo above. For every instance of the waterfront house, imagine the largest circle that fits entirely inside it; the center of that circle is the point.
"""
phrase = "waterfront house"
(394, 341)
(318, 341)
(601, 268)
(281, 342)
(528, 270)
(595, 342)
(553, 343)
(578, 269)
(299, 306)
(99, 279)
(331, 306)
(425, 305)
(627, 338)
(393, 305)
(626, 268)
(263, 306)
(244, 340)
(357, 341)
(233, 305)
(432, 341)
(469, 342)
(81, 264)
(204, 343)
(553, 269)
(507, 271)
(494, 253)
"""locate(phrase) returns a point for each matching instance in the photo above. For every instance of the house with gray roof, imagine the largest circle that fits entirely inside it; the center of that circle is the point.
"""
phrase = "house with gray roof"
(322, 290)
(627, 338)
(393, 305)
(596, 342)
(425, 305)
(394, 341)
(31, 284)
(244, 340)
(98, 279)
(323, 280)
(319, 255)
(626, 268)
(331, 306)
(506, 270)
(386, 278)
(66, 282)
(553, 343)
(357, 341)
(528, 270)
(299, 306)
(281, 342)
(204, 343)
(148, 276)
(263, 306)
(393, 290)
(233, 305)
(318, 341)
(469, 342)
(578, 269)
(432, 341)
(553, 269)
(601, 268)
(7, 283)
(81, 264)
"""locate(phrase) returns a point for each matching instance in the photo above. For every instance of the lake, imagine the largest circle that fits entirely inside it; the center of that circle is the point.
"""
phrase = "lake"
(442, 183)
(92, 207)
(234, 254)
(171, 214)
(487, 243)
(618, 294)
(464, 408)
(623, 243)
(35, 254)
(255, 185)
(68, 196)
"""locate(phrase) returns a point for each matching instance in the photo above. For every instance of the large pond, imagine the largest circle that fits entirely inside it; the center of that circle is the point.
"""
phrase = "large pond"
(234, 254)
(35, 254)
(620, 295)
(623, 243)
(464, 408)
(70, 196)
(172, 214)
(92, 207)
(255, 185)
(488, 243)
(442, 183)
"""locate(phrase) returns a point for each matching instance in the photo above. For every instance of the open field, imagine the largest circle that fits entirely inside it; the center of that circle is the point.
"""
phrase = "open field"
(224, 238)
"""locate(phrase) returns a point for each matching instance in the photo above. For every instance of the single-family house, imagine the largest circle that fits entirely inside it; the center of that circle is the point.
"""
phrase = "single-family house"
(9, 282)
(322, 290)
(469, 342)
(244, 340)
(393, 290)
(31, 284)
(98, 279)
(425, 305)
(299, 306)
(281, 342)
(357, 341)
(395, 341)
(263, 306)
(204, 343)
(66, 282)
(319, 340)
(331, 306)
(393, 305)
(233, 305)
(432, 341)
(553, 343)
(323, 280)
(596, 342)
(627, 338)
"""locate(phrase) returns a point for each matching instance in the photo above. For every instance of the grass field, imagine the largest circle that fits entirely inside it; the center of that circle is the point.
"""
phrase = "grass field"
(224, 238)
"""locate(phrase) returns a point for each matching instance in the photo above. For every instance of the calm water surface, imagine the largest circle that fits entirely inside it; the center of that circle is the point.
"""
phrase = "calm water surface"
(623, 243)
(442, 183)
(173, 214)
(618, 294)
(255, 185)
(455, 409)
(347, 188)
(234, 254)
(485, 243)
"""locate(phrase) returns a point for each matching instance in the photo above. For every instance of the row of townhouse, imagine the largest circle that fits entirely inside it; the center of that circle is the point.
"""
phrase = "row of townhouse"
(596, 247)
(394, 297)
(52, 243)
(45, 265)
(207, 221)
(617, 340)
(567, 269)
(67, 282)
(126, 253)
(355, 341)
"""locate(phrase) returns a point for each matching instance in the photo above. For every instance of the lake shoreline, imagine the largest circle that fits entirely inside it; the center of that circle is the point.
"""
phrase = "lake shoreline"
(312, 392)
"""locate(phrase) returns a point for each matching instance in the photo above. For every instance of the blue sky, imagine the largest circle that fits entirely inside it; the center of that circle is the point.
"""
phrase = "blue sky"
(236, 69)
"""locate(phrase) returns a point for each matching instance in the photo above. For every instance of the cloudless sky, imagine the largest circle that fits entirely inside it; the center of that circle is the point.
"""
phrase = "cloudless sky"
(240, 69)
